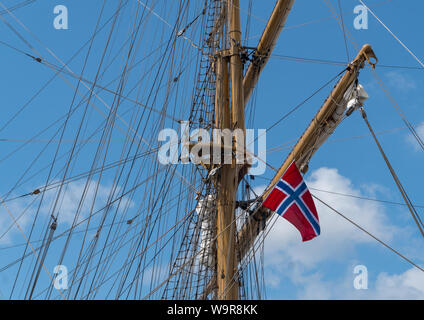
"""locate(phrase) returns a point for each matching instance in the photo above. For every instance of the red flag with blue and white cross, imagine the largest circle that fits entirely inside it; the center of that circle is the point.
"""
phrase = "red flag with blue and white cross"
(291, 199)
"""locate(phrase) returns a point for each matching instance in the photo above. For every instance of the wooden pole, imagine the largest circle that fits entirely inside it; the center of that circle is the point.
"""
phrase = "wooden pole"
(222, 95)
(247, 235)
(266, 44)
(226, 194)
(307, 140)
(227, 181)
(237, 96)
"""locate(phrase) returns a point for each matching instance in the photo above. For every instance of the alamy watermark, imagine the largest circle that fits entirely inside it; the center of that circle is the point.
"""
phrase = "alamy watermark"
(60, 22)
(361, 20)
(360, 282)
(198, 147)
(61, 277)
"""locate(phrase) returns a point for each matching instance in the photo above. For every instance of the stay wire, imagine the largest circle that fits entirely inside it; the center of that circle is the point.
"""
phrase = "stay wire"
(262, 240)
(370, 234)
(344, 31)
(411, 208)
(384, 88)
(306, 100)
(55, 218)
(61, 69)
(405, 196)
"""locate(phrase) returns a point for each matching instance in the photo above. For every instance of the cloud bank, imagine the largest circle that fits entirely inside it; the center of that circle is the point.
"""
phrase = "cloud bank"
(288, 259)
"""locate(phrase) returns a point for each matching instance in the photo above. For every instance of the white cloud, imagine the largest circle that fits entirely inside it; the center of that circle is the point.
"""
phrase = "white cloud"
(68, 204)
(407, 285)
(400, 82)
(403, 286)
(411, 139)
(337, 235)
(67, 208)
(287, 257)
(7, 225)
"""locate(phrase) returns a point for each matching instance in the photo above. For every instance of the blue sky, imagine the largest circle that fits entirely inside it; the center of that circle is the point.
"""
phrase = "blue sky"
(356, 162)
(348, 163)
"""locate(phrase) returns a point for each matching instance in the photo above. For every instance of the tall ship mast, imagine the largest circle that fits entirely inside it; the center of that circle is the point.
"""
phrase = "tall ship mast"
(143, 186)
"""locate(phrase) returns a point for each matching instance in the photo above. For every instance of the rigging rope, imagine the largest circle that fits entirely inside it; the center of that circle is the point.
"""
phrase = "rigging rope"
(385, 90)
(336, 62)
(355, 196)
(17, 6)
(158, 198)
(29, 243)
(91, 91)
(250, 254)
(371, 235)
(104, 261)
(170, 26)
(408, 202)
(398, 40)
(344, 31)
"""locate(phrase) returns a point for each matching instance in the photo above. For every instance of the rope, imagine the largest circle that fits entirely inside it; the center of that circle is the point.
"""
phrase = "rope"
(355, 196)
(385, 90)
(344, 32)
(170, 26)
(306, 100)
(398, 183)
(371, 235)
(398, 40)
(29, 243)
(289, 144)
(250, 254)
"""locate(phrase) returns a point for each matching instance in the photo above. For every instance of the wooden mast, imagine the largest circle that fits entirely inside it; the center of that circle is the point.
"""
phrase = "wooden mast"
(266, 44)
(227, 181)
(229, 241)
(234, 119)
(305, 147)
(226, 194)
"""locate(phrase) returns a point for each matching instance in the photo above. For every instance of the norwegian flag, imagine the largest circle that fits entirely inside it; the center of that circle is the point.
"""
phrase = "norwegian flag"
(291, 199)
